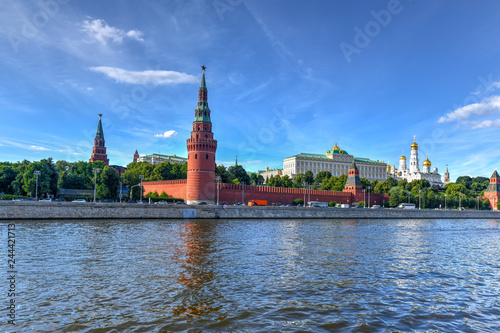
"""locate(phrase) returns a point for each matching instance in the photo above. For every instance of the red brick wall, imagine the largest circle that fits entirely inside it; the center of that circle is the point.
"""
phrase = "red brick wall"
(173, 188)
(231, 193)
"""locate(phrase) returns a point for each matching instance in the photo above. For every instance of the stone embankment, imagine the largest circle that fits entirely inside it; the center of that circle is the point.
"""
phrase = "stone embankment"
(25, 210)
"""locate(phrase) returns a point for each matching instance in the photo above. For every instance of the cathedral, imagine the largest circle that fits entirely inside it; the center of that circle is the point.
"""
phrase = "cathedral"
(414, 173)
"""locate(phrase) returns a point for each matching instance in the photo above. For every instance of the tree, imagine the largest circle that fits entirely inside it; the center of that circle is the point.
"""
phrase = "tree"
(226, 176)
(486, 204)
(322, 176)
(361, 203)
(365, 182)
(7, 176)
(394, 199)
(339, 183)
(286, 181)
(298, 180)
(109, 180)
(240, 173)
(309, 177)
(163, 171)
(298, 201)
(332, 204)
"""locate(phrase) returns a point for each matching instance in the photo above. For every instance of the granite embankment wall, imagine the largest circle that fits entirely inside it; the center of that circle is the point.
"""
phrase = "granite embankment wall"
(69, 210)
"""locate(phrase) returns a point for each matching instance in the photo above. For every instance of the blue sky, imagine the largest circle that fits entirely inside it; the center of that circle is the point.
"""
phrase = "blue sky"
(283, 77)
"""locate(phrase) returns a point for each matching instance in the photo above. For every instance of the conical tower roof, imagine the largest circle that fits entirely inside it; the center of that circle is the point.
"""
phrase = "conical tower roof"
(202, 111)
(495, 174)
(100, 133)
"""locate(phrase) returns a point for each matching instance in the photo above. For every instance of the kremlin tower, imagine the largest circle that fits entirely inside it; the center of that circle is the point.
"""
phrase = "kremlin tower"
(201, 153)
(492, 193)
(414, 168)
(136, 156)
(99, 150)
(353, 183)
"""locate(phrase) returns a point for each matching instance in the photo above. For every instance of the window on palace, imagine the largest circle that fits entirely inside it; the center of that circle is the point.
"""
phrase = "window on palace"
(207, 156)
(196, 156)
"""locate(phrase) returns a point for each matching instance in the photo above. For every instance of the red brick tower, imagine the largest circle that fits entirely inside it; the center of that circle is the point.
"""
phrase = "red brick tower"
(136, 156)
(201, 153)
(99, 150)
(353, 183)
(492, 193)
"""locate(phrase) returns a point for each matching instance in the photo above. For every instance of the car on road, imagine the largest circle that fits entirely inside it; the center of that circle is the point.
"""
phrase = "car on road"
(180, 203)
(162, 202)
(79, 200)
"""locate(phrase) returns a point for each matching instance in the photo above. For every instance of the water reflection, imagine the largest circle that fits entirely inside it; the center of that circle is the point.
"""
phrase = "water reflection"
(198, 295)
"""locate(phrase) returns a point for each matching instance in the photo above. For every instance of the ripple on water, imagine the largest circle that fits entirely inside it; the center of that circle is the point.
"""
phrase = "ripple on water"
(259, 276)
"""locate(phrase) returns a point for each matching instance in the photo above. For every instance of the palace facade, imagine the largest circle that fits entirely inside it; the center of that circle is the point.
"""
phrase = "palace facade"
(336, 161)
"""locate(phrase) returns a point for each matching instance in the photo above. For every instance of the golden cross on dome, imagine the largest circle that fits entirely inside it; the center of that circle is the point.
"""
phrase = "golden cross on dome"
(414, 138)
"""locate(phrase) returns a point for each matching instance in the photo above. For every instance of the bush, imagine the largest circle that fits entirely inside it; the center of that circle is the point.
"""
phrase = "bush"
(298, 202)
(163, 195)
(332, 204)
(11, 197)
(361, 203)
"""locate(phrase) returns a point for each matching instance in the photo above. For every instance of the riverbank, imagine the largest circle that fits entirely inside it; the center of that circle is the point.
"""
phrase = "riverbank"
(19, 210)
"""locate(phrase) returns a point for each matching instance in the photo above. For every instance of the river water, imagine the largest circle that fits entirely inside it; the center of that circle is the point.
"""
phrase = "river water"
(256, 276)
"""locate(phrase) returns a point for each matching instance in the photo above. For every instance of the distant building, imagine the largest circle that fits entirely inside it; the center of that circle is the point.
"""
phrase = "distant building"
(414, 173)
(136, 156)
(159, 158)
(268, 173)
(337, 162)
(99, 149)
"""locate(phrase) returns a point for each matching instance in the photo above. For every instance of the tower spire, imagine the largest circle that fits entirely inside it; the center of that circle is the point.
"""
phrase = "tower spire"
(99, 149)
(202, 112)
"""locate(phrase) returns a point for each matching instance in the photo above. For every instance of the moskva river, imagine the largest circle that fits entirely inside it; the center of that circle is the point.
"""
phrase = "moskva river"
(255, 276)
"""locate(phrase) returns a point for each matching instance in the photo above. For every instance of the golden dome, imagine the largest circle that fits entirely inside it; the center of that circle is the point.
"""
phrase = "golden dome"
(403, 157)
(427, 162)
(336, 147)
(414, 145)
(388, 168)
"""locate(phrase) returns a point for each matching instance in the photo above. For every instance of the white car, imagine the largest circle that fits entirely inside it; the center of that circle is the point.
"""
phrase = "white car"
(79, 200)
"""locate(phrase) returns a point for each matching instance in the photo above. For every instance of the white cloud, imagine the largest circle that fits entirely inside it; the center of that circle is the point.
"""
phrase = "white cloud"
(102, 32)
(487, 106)
(167, 134)
(485, 124)
(37, 148)
(145, 77)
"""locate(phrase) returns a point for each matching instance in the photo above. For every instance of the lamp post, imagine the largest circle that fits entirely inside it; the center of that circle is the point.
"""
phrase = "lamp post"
(304, 185)
(459, 201)
(36, 173)
(132, 190)
(96, 171)
(121, 185)
(141, 177)
(477, 202)
(369, 188)
(445, 201)
(243, 193)
(218, 179)
(409, 193)
(364, 198)
(419, 199)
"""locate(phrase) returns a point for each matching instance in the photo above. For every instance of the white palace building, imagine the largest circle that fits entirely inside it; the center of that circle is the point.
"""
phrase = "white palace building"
(337, 162)
(414, 173)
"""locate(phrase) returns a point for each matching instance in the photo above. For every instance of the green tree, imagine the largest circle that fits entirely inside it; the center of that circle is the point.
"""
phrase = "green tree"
(109, 180)
(225, 176)
(309, 177)
(365, 182)
(7, 176)
(361, 204)
(394, 199)
(240, 173)
(163, 171)
(298, 201)
(286, 181)
(332, 204)
(339, 183)
(486, 204)
(298, 180)
(322, 176)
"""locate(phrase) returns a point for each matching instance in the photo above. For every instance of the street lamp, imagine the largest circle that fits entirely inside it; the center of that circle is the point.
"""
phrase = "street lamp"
(132, 190)
(36, 173)
(459, 201)
(369, 188)
(445, 201)
(409, 193)
(364, 198)
(477, 202)
(96, 171)
(218, 179)
(141, 177)
(121, 185)
(243, 193)
(419, 199)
